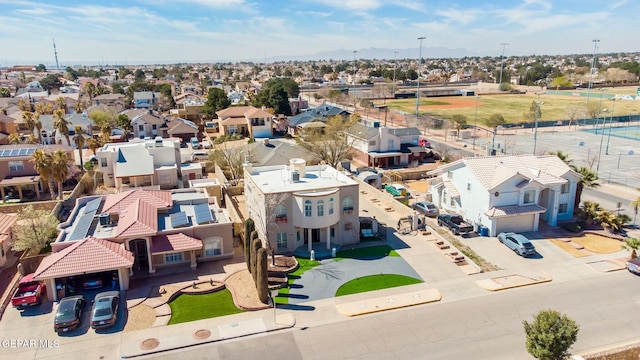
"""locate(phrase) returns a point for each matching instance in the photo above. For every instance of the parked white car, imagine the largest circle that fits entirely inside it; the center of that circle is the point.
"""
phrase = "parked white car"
(199, 155)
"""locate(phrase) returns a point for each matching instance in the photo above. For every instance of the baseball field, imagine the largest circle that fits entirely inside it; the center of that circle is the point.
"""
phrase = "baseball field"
(514, 106)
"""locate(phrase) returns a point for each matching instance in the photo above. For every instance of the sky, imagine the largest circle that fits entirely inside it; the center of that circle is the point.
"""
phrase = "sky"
(130, 32)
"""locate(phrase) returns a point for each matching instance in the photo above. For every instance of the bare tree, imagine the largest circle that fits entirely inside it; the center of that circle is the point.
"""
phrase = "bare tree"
(268, 220)
(230, 159)
(330, 143)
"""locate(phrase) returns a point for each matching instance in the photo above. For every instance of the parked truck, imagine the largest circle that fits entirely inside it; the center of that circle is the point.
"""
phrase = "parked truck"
(29, 293)
(455, 223)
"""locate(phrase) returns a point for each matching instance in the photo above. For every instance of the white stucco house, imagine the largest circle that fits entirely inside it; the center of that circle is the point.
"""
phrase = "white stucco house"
(507, 193)
(139, 163)
(299, 206)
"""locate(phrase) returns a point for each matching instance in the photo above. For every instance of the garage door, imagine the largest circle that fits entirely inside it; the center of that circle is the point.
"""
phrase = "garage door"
(521, 223)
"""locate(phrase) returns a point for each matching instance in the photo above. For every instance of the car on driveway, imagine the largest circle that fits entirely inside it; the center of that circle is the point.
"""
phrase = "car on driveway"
(69, 314)
(633, 265)
(199, 155)
(105, 309)
(426, 207)
(518, 243)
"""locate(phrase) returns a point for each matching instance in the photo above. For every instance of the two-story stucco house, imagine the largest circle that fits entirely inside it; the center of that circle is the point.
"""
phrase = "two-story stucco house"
(139, 163)
(296, 206)
(385, 147)
(147, 124)
(247, 120)
(507, 193)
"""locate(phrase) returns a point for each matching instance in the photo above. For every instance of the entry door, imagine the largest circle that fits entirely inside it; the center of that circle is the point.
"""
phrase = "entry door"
(139, 248)
(315, 235)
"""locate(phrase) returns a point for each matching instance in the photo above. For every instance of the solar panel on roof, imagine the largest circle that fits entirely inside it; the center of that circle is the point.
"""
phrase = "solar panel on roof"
(203, 214)
(92, 205)
(82, 226)
(23, 152)
(179, 219)
(17, 152)
(31, 151)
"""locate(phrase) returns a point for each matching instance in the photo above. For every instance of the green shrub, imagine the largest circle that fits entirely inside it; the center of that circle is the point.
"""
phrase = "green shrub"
(249, 227)
(262, 277)
(256, 244)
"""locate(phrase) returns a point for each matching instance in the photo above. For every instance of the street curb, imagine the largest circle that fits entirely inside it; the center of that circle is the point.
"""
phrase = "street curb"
(492, 285)
(385, 303)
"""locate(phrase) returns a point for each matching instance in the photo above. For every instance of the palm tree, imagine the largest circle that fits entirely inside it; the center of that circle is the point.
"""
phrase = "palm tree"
(24, 105)
(38, 124)
(632, 244)
(61, 103)
(563, 156)
(90, 89)
(28, 120)
(32, 139)
(61, 124)
(93, 144)
(60, 168)
(14, 138)
(78, 138)
(588, 179)
(79, 107)
(609, 221)
(42, 164)
(590, 211)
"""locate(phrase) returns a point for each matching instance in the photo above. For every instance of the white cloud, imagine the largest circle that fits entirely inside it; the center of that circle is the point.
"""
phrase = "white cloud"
(619, 3)
(358, 5)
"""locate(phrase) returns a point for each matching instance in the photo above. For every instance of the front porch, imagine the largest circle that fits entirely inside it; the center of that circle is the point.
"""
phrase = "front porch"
(319, 249)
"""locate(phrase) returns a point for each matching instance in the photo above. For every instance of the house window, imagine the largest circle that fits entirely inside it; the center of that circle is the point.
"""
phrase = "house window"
(390, 144)
(563, 208)
(232, 129)
(213, 246)
(452, 201)
(347, 205)
(565, 188)
(16, 166)
(172, 258)
(450, 175)
(529, 196)
(103, 162)
(307, 208)
(298, 236)
(154, 127)
(320, 208)
(281, 214)
(372, 143)
(140, 127)
(281, 241)
(468, 186)
(331, 206)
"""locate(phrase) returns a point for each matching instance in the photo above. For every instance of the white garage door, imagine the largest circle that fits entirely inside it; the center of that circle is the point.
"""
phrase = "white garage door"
(521, 223)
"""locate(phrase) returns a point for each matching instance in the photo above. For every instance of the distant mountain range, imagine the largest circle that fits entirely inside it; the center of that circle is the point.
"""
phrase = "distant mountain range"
(380, 53)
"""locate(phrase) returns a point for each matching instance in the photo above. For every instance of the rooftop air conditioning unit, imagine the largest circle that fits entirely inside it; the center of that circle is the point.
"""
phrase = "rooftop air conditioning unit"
(295, 176)
(104, 219)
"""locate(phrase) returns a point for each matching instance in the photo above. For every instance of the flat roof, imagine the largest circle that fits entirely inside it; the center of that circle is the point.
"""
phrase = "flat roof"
(276, 179)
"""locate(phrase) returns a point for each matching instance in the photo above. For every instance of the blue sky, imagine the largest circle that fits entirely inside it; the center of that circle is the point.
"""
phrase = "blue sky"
(169, 31)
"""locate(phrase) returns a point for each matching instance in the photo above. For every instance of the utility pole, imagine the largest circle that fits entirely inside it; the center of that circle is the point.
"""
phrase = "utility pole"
(55, 54)
(593, 64)
(501, 63)
(418, 89)
(395, 62)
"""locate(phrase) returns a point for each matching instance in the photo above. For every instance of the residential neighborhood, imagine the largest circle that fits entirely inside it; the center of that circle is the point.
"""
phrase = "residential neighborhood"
(151, 210)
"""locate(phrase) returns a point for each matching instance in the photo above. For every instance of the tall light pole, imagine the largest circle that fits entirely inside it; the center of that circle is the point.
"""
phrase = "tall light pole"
(604, 123)
(418, 89)
(354, 80)
(593, 64)
(613, 107)
(395, 62)
(475, 122)
(599, 108)
(501, 62)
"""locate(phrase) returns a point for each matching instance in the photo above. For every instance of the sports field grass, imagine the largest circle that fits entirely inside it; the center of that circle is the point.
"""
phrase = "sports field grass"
(514, 106)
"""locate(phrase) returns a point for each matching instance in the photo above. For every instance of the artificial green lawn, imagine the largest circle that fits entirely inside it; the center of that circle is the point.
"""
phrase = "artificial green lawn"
(203, 306)
(375, 282)
(303, 266)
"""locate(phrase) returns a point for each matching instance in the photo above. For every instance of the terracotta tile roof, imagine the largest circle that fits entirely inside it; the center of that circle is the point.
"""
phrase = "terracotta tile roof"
(257, 113)
(233, 111)
(451, 188)
(117, 202)
(6, 222)
(174, 242)
(138, 219)
(234, 121)
(513, 210)
(89, 255)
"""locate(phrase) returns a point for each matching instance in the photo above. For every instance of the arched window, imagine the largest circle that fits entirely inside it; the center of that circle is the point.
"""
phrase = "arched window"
(347, 205)
(331, 206)
(320, 208)
(307, 208)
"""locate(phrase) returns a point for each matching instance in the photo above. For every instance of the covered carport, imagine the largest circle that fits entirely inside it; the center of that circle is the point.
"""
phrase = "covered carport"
(87, 256)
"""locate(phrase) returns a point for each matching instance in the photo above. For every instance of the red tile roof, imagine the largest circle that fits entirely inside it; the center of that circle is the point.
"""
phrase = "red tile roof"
(89, 255)
(117, 202)
(173, 243)
(138, 219)
(6, 222)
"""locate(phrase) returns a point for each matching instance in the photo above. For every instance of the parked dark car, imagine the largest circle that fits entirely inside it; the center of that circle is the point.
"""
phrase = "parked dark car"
(69, 314)
(426, 207)
(633, 265)
(105, 309)
(518, 243)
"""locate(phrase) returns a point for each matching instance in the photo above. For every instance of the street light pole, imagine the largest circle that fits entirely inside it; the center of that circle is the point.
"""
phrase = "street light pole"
(604, 123)
(475, 122)
(535, 131)
(395, 61)
(613, 107)
(501, 63)
(354, 80)
(593, 64)
(418, 89)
